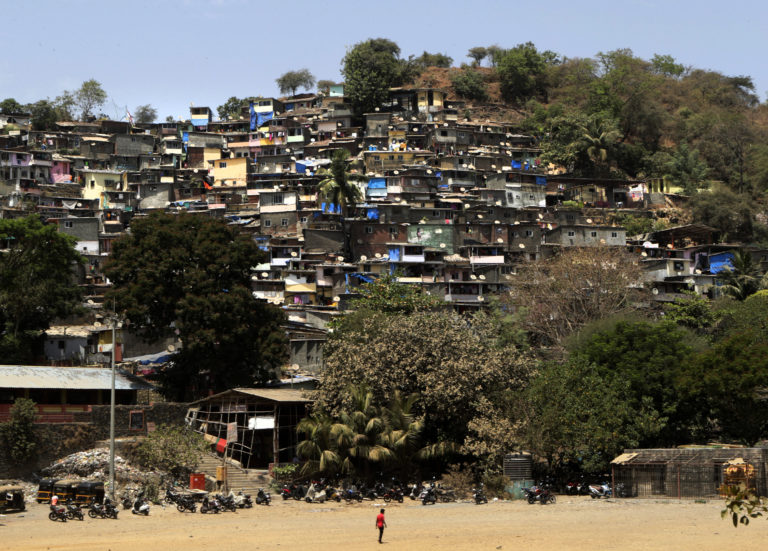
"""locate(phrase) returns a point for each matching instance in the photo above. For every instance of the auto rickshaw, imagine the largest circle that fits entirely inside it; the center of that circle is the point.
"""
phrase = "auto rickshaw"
(12, 497)
(65, 489)
(45, 490)
(89, 490)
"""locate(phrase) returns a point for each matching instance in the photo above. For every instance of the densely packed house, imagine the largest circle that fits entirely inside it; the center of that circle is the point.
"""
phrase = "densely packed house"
(447, 204)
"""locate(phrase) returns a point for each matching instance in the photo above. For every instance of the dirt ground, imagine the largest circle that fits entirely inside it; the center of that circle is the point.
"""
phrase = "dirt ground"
(573, 523)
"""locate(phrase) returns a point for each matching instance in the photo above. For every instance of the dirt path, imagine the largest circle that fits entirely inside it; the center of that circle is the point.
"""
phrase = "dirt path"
(572, 523)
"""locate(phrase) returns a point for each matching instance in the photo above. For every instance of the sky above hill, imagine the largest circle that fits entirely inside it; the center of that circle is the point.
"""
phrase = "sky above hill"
(170, 53)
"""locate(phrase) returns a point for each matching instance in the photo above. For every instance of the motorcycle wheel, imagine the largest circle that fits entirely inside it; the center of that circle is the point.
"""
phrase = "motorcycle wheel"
(531, 500)
(203, 510)
(593, 496)
(399, 499)
(423, 501)
(485, 500)
(308, 500)
(552, 499)
(93, 514)
(359, 499)
(52, 515)
(114, 514)
(70, 515)
(249, 505)
(387, 499)
(181, 508)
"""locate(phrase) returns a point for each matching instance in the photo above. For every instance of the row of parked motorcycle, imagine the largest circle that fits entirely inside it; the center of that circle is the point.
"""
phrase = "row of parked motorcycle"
(320, 491)
(74, 511)
(216, 503)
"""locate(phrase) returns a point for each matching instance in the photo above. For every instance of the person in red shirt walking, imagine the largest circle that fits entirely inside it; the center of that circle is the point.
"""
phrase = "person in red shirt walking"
(381, 523)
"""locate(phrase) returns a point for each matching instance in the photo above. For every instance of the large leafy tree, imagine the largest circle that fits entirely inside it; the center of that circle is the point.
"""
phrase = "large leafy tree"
(522, 72)
(370, 68)
(576, 415)
(89, 97)
(190, 275)
(742, 277)
(10, 105)
(144, 114)
(650, 357)
(446, 359)
(293, 80)
(37, 284)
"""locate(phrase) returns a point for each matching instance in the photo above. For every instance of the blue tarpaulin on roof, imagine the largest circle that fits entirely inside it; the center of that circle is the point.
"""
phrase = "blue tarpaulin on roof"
(261, 118)
(719, 262)
(301, 168)
(541, 180)
(377, 183)
(372, 214)
(394, 254)
(517, 164)
(253, 118)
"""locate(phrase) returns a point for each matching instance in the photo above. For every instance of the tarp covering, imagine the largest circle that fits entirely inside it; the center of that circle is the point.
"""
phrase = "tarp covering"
(720, 262)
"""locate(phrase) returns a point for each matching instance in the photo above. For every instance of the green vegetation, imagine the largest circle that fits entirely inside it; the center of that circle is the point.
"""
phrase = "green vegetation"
(470, 84)
(17, 434)
(293, 80)
(172, 449)
(41, 261)
(199, 289)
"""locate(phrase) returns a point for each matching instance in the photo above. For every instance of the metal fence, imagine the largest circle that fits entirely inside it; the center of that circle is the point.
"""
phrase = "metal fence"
(682, 480)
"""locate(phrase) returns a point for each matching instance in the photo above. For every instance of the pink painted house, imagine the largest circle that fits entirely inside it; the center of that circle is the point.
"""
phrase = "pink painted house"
(60, 171)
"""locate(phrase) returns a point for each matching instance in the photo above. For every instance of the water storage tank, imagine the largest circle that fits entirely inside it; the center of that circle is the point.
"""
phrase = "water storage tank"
(517, 466)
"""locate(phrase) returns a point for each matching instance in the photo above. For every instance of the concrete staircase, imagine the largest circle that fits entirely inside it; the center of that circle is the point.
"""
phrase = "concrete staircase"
(248, 480)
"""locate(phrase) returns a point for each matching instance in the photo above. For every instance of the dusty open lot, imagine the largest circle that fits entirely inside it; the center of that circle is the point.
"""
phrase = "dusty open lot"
(572, 523)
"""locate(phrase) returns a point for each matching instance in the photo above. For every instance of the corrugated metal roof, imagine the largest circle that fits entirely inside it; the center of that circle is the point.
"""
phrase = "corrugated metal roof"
(76, 378)
(269, 394)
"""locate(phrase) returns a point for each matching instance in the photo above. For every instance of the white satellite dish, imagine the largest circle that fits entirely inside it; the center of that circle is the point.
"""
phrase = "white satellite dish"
(293, 253)
(442, 245)
(171, 348)
(541, 216)
(97, 324)
(643, 253)
(472, 276)
(254, 278)
(493, 167)
(264, 274)
(466, 205)
(589, 220)
(396, 172)
(521, 245)
(341, 259)
(90, 301)
(378, 255)
(462, 189)
(517, 223)
(481, 276)
(499, 240)
(496, 222)
(655, 291)
(429, 171)
(480, 298)
(480, 216)
(336, 299)
(363, 258)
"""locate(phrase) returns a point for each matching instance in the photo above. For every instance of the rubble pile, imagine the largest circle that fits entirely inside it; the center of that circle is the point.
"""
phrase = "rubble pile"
(94, 464)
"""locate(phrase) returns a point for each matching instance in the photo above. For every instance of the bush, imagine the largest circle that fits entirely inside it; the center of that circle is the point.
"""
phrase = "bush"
(469, 84)
(175, 450)
(17, 434)
(286, 473)
(460, 479)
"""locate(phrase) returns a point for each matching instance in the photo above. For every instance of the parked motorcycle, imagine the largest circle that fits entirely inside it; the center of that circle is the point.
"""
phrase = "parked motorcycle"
(107, 510)
(428, 495)
(186, 503)
(74, 511)
(262, 497)
(171, 496)
(352, 494)
(596, 491)
(478, 494)
(210, 505)
(140, 507)
(538, 494)
(58, 513)
(242, 501)
(314, 494)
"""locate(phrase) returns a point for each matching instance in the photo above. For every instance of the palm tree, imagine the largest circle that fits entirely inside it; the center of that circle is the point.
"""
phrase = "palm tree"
(337, 187)
(316, 449)
(743, 277)
(357, 434)
(598, 136)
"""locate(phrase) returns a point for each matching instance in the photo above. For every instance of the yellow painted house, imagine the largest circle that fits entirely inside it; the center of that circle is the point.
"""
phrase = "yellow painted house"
(98, 182)
(229, 172)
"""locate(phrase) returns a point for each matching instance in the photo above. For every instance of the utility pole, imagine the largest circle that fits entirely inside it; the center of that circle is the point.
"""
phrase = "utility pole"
(112, 412)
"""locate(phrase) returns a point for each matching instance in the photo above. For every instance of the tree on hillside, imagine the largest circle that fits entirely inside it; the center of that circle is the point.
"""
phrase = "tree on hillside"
(10, 105)
(522, 72)
(198, 289)
(600, 135)
(742, 277)
(144, 114)
(36, 284)
(563, 293)
(44, 114)
(293, 80)
(337, 186)
(667, 66)
(478, 54)
(370, 68)
(433, 60)
(386, 295)
(470, 84)
(686, 169)
(65, 104)
(89, 97)
(733, 215)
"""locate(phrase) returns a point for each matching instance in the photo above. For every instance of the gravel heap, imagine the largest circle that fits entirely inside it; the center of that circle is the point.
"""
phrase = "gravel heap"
(94, 465)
